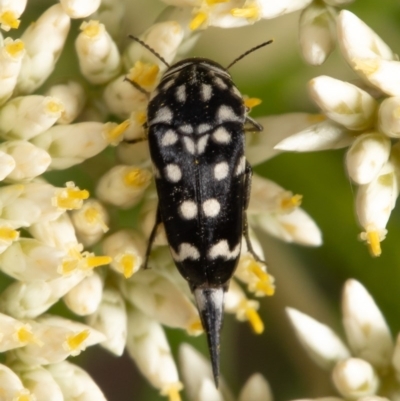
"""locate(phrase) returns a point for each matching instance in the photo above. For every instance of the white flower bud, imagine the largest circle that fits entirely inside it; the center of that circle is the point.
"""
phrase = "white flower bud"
(7, 164)
(59, 338)
(163, 37)
(260, 145)
(73, 143)
(355, 378)
(374, 203)
(137, 154)
(317, 33)
(98, 55)
(44, 41)
(123, 186)
(27, 116)
(73, 98)
(322, 136)
(149, 348)
(389, 117)
(12, 387)
(10, 11)
(14, 334)
(90, 222)
(29, 260)
(75, 383)
(111, 320)
(85, 297)
(208, 391)
(343, 102)
(256, 388)
(127, 249)
(79, 8)
(28, 300)
(121, 98)
(11, 54)
(366, 156)
(30, 161)
(160, 299)
(320, 342)
(39, 382)
(57, 233)
(366, 329)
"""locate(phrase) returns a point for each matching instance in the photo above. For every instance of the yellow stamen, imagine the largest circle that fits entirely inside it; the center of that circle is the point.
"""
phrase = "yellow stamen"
(54, 107)
(212, 2)
(137, 177)
(141, 117)
(91, 28)
(128, 263)
(288, 203)
(94, 217)
(95, 261)
(70, 197)
(14, 48)
(252, 102)
(374, 243)
(68, 266)
(250, 12)
(172, 391)
(199, 19)
(254, 319)
(8, 18)
(265, 283)
(144, 74)
(74, 341)
(24, 335)
(195, 328)
(24, 395)
(8, 234)
(366, 66)
(116, 133)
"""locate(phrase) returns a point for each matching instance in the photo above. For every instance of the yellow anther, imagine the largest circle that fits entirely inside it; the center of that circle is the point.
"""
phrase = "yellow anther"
(195, 328)
(68, 266)
(137, 177)
(366, 66)
(91, 28)
(198, 20)
(128, 263)
(8, 18)
(8, 234)
(74, 342)
(254, 319)
(141, 117)
(116, 132)
(24, 395)
(94, 217)
(252, 102)
(144, 74)
(54, 107)
(212, 2)
(265, 281)
(172, 391)
(70, 197)
(250, 12)
(14, 48)
(95, 261)
(374, 243)
(24, 335)
(288, 203)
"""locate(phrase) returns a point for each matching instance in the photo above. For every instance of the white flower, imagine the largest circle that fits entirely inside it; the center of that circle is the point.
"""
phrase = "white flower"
(80, 9)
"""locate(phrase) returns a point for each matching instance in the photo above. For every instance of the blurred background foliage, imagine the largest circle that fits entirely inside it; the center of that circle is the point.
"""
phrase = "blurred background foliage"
(310, 279)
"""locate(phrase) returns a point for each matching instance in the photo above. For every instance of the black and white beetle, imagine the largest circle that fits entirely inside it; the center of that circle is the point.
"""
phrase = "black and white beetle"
(196, 121)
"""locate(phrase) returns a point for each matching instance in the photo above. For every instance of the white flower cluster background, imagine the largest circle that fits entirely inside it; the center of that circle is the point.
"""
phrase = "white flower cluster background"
(81, 320)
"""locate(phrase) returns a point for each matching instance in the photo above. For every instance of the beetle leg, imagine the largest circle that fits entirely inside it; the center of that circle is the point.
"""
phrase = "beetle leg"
(252, 125)
(152, 237)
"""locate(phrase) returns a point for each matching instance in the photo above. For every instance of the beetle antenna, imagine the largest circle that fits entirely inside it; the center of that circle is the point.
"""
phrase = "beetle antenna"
(149, 49)
(248, 52)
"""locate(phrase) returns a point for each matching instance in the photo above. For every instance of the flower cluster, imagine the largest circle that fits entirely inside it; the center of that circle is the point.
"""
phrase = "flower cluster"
(370, 369)
(44, 229)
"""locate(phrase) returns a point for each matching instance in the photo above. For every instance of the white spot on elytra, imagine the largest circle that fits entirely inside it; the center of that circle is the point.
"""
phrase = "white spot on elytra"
(173, 172)
(226, 113)
(189, 144)
(163, 115)
(236, 91)
(202, 143)
(202, 128)
(220, 83)
(181, 93)
(241, 166)
(221, 250)
(186, 129)
(205, 92)
(169, 138)
(221, 170)
(188, 210)
(211, 207)
(221, 135)
(186, 251)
